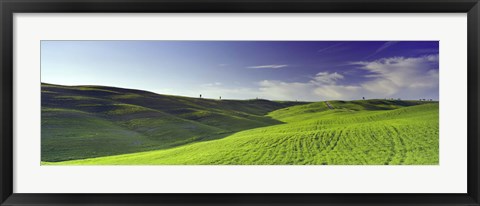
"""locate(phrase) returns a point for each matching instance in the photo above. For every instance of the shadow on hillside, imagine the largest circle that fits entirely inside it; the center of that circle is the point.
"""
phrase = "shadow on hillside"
(217, 136)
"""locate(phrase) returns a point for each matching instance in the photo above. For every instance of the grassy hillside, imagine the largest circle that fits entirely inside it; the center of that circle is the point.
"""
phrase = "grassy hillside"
(369, 132)
(90, 121)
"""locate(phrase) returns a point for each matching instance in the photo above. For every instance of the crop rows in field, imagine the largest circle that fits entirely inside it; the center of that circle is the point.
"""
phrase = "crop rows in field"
(350, 134)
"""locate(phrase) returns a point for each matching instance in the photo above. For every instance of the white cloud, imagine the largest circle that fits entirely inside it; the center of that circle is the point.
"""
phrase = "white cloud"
(321, 86)
(326, 78)
(396, 77)
(271, 66)
(391, 76)
(212, 84)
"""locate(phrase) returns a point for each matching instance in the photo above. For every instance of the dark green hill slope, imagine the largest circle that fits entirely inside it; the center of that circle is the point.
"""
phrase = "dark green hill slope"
(91, 121)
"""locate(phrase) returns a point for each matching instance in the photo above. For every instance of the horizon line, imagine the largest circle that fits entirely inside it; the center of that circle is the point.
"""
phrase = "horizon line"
(220, 99)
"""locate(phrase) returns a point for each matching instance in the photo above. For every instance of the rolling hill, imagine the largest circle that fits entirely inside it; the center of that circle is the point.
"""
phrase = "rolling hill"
(90, 121)
(366, 132)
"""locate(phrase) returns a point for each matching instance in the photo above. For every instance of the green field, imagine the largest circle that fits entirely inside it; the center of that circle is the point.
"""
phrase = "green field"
(93, 125)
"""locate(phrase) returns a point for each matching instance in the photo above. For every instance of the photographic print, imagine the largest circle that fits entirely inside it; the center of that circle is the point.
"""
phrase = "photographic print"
(239, 102)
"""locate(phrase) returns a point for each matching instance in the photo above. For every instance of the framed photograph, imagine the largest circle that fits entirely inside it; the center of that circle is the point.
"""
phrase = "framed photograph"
(239, 102)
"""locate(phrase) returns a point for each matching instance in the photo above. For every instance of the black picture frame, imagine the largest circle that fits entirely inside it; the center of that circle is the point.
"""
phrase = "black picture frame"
(9, 7)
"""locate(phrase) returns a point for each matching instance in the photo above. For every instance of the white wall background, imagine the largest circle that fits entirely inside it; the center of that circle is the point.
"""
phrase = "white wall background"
(448, 177)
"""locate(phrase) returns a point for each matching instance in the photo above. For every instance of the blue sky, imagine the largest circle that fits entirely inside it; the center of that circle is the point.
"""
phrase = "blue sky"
(277, 70)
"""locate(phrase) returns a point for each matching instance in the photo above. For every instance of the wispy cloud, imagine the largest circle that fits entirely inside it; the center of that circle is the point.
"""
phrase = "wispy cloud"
(212, 84)
(426, 51)
(270, 66)
(329, 47)
(381, 48)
